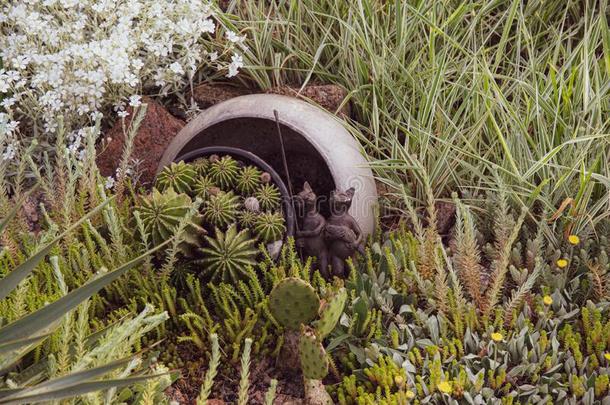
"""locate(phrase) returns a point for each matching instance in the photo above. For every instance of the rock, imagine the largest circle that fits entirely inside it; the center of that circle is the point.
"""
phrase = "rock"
(206, 94)
(328, 96)
(156, 131)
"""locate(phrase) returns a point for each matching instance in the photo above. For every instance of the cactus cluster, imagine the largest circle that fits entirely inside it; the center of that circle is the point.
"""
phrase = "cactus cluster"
(295, 305)
(234, 197)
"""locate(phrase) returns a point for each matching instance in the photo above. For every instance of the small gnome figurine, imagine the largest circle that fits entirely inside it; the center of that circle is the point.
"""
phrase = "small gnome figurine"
(311, 235)
(342, 233)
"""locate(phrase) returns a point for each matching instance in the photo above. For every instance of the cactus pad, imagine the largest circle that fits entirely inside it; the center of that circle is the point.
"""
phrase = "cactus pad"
(314, 361)
(294, 302)
(179, 176)
(330, 313)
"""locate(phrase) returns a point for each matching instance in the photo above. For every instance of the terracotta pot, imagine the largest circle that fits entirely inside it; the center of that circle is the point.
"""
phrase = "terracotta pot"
(318, 148)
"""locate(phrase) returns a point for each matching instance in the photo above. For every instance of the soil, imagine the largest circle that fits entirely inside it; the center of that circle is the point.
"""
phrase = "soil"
(156, 131)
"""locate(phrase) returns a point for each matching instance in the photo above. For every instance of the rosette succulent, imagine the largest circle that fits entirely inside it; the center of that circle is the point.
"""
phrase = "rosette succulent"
(223, 171)
(269, 197)
(179, 176)
(221, 209)
(204, 187)
(269, 226)
(249, 180)
(162, 212)
(228, 255)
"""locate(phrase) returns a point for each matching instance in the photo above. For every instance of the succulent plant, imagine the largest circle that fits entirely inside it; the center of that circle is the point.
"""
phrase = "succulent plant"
(246, 218)
(221, 209)
(294, 302)
(228, 255)
(223, 171)
(203, 188)
(269, 197)
(270, 226)
(162, 212)
(248, 180)
(314, 360)
(252, 204)
(201, 165)
(179, 176)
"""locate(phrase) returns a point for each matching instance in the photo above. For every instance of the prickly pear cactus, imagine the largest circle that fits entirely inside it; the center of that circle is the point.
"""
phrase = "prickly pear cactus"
(314, 360)
(330, 313)
(179, 176)
(293, 302)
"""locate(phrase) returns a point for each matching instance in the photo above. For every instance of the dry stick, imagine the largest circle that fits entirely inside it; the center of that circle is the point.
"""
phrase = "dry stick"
(287, 173)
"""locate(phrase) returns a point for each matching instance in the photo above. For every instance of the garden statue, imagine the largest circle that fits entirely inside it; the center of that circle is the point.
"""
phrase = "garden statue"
(310, 237)
(342, 233)
(332, 240)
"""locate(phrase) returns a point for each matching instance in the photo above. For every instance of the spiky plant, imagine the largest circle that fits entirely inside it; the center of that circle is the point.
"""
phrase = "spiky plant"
(246, 218)
(162, 212)
(270, 226)
(249, 180)
(269, 197)
(223, 171)
(201, 165)
(203, 187)
(221, 209)
(228, 255)
(179, 176)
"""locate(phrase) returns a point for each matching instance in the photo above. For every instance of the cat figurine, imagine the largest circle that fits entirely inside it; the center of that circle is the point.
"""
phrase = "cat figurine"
(342, 233)
(310, 237)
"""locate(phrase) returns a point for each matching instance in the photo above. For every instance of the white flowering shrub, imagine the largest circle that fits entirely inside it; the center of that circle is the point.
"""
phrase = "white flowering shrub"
(79, 58)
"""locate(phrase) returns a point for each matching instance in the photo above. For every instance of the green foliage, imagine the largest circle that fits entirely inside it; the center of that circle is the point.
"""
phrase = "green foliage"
(314, 361)
(249, 180)
(161, 213)
(228, 255)
(223, 171)
(294, 302)
(269, 226)
(204, 187)
(179, 176)
(221, 209)
(269, 197)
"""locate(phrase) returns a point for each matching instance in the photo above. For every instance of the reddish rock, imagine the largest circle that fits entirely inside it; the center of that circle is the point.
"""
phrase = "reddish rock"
(328, 96)
(157, 130)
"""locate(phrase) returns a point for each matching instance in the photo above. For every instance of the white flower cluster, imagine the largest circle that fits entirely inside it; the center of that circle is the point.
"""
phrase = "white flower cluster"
(78, 57)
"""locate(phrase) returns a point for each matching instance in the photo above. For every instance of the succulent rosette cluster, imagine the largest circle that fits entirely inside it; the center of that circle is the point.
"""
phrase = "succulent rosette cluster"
(239, 207)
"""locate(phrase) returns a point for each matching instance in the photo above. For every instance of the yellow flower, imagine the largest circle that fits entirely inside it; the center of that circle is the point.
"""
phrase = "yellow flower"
(574, 239)
(399, 380)
(561, 263)
(497, 337)
(607, 356)
(547, 299)
(410, 394)
(445, 387)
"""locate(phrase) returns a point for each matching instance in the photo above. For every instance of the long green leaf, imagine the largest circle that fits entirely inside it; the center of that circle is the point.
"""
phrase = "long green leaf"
(12, 279)
(76, 390)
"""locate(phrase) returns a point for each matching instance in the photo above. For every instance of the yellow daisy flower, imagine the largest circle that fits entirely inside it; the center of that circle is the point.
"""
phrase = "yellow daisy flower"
(607, 356)
(574, 239)
(562, 263)
(445, 387)
(547, 299)
(497, 337)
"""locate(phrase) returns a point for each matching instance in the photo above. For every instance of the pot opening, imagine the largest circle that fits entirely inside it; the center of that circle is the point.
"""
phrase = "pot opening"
(259, 136)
